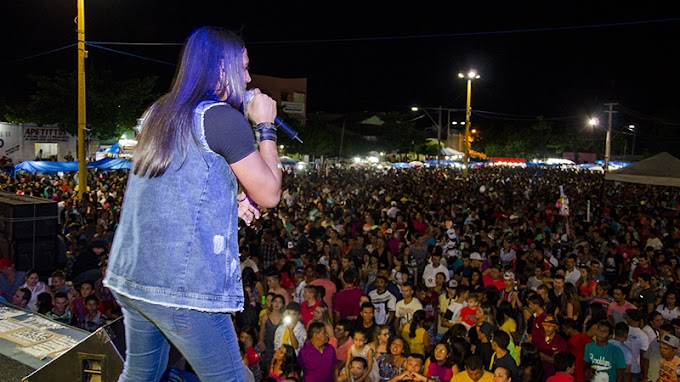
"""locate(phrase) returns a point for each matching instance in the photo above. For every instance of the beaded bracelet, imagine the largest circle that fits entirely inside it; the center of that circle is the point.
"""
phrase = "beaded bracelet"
(267, 131)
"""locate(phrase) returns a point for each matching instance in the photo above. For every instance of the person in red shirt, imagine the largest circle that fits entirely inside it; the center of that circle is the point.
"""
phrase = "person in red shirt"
(283, 265)
(248, 336)
(492, 276)
(347, 299)
(329, 288)
(311, 296)
(577, 346)
(564, 366)
(537, 306)
(552, 344)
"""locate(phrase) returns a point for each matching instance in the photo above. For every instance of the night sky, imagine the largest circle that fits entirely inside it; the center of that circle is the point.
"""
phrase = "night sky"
(559, 61)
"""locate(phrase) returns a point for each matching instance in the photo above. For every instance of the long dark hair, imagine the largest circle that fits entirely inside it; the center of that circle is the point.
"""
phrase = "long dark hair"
(597, 313)
(416, 322)
(531, 357)
(290, 364)
(212, 60)
(459, 352)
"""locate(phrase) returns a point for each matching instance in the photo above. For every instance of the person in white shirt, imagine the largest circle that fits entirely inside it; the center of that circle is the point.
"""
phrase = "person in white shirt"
(383, 301)
(291, 331)
(393, 210)
(433, 267)
(573, 272)
(637, 341)
(405, 307)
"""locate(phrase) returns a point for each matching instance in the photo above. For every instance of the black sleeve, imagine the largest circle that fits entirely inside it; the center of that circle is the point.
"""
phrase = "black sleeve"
(228, 133)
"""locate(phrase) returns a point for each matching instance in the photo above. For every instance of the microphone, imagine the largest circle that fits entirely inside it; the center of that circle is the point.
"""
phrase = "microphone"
(280, 123)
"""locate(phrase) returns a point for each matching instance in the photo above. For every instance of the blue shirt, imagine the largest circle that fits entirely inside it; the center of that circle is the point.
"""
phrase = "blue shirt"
(606, 359)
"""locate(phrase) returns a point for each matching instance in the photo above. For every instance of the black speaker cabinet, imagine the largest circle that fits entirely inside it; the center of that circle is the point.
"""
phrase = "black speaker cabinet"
(99, 357)
(26, 217)
(96, 358)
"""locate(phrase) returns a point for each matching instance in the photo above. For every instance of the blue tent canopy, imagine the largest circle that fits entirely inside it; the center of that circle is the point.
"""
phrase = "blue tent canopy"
(114, 150)
(72, 166)
(111, 164)
(46, 166)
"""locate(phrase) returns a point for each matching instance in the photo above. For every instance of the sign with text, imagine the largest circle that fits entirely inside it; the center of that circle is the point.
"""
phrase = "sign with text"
(45, 134)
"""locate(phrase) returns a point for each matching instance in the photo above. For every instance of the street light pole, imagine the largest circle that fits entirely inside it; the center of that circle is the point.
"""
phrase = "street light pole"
(82, 169)
(468, 111)
(439, 139)
(608, 144)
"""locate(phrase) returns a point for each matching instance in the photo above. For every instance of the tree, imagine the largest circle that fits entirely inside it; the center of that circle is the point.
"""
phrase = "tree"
(111, 105)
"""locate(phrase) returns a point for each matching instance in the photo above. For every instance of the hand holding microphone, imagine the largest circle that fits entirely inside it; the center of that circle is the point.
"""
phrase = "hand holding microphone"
(252, 100)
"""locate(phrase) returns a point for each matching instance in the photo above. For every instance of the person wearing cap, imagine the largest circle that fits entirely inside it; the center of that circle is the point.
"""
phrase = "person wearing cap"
(551, 344)
(670, 362)
(604, 360)
(393, 210)
(653, 354)
(445, 300)
(10, 279)
(509, 291)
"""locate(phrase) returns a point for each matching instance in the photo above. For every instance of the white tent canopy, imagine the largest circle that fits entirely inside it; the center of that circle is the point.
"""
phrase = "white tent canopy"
(662, 169)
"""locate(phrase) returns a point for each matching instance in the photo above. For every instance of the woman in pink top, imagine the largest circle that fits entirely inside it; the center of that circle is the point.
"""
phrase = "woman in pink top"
(284, 364)
(440, 363)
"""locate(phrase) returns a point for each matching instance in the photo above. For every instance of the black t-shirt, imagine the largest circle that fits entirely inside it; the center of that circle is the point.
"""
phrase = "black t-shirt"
(507, 362)
(228, 133)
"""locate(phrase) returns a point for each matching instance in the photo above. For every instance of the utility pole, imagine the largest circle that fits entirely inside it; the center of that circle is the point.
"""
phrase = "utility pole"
(608, 144)
(439, 138)
(82, 54)
(466, 140)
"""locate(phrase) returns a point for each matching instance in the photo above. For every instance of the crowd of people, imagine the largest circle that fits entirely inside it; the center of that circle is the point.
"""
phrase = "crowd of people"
(522, 274)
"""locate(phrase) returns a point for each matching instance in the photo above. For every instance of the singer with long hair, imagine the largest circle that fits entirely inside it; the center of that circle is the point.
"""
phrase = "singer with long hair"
(174, 263)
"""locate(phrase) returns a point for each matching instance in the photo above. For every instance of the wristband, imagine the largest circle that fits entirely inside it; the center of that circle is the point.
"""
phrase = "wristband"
(267, 131)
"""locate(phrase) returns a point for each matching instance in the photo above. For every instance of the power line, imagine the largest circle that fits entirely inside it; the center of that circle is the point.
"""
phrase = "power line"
(39, 54)
(426, 36)
(129, 54)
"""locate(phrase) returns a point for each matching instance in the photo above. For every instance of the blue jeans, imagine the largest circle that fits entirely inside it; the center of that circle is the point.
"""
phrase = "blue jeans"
(208, 341)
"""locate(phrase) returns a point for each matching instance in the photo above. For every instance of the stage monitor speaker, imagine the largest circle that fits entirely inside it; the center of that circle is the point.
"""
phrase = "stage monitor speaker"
(27, 217)
(99, 357)
(39, 254)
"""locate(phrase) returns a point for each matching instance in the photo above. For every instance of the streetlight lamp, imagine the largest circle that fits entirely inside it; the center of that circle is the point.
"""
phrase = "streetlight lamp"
(471, 75)
(439, 129)
(631, 128)
(596, 122)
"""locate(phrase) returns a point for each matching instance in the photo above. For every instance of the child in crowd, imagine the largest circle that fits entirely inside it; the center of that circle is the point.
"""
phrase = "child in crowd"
(93, 319)
(359, 348)
(468, 315)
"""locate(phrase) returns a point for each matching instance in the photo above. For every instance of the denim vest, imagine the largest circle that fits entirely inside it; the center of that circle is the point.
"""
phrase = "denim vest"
(177, 241)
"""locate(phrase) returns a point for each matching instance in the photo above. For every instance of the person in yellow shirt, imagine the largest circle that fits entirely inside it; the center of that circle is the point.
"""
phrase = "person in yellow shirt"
(474, 372)
(670, 362)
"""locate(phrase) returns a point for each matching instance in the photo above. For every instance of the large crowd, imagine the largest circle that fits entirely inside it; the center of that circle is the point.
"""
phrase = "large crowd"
(362, 274)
